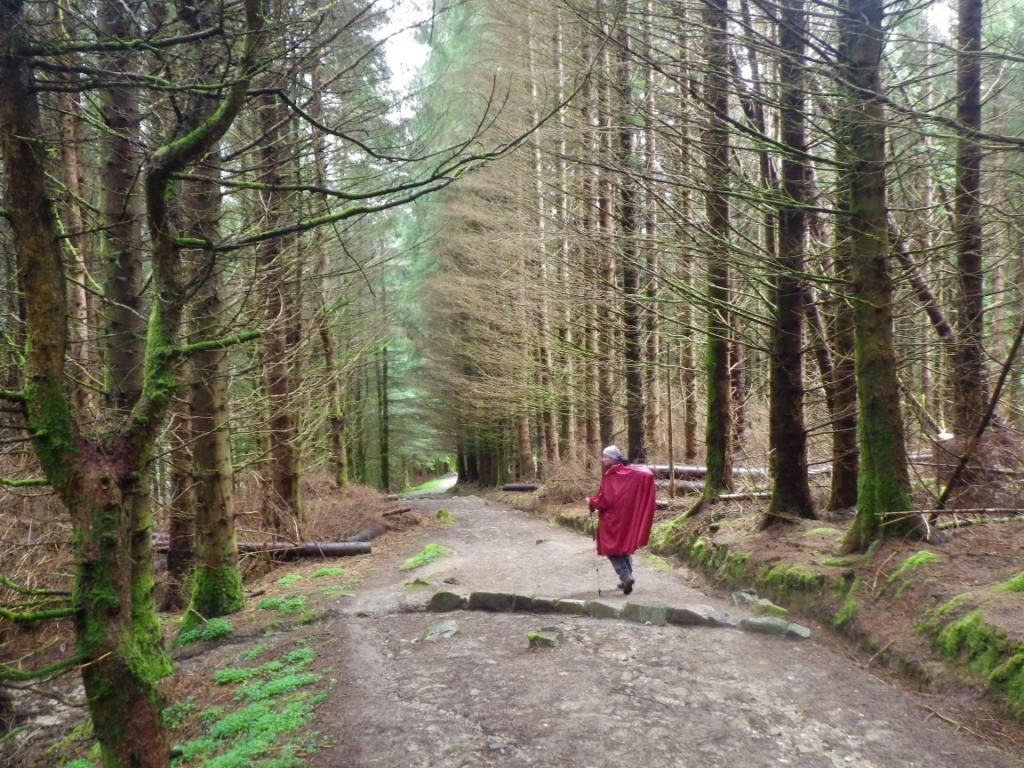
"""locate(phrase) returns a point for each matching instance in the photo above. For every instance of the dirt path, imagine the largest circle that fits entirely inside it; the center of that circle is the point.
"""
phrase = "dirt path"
(613, 694)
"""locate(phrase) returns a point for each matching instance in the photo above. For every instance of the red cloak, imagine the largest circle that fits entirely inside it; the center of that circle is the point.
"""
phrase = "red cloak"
(626, 503)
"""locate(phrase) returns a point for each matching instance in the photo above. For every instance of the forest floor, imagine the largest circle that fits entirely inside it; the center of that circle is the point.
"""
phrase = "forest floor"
(329, 665)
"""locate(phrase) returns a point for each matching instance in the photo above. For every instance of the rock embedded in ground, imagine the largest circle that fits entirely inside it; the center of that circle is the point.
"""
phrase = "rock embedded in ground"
(744, 598)
(545, 637)
(543, 604)
(601, 610)
(766, 607)
(571, 607)
(643, 613)
(441, 629)
(692, 616)
(443, 601)
(766, 625)
(494, 602)
(798, 630)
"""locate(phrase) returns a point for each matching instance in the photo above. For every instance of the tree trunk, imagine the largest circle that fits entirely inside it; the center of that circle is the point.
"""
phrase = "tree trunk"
(791, 494)
(884, 484)
(283, 502)
(124, 319)
(715, 139)
(970, 381)
(632, 347)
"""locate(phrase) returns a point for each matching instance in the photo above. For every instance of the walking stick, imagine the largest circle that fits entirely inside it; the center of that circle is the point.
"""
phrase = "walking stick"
(597, 561)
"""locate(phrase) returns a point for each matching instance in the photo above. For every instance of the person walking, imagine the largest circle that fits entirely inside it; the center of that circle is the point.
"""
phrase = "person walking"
(625, 507)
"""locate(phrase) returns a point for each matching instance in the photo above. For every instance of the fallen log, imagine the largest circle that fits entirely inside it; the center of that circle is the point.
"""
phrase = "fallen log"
(682, 486)
(368, 534)
(519, 487)
(399, 511)
(696, 472)
(289, 550)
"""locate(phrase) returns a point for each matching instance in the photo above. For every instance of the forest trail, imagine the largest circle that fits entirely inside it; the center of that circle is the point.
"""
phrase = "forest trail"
(613, 693)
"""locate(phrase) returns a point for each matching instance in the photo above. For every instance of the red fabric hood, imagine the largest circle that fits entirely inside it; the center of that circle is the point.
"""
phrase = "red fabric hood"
(626, 503)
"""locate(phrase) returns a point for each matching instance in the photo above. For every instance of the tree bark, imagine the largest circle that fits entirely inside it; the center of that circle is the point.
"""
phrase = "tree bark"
(715, 138)
(791, 495)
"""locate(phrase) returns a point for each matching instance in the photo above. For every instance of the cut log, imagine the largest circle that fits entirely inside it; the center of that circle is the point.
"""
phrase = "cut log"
(399, 511)
(519, 487)
(661, 504)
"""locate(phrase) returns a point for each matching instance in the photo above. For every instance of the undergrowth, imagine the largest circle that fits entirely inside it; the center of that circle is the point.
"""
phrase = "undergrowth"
(427, 555)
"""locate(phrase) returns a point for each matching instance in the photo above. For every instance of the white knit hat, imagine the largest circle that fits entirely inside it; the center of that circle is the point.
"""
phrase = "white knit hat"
(612, 452)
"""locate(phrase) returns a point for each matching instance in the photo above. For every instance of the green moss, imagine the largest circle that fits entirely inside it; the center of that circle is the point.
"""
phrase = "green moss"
(427, 555)
(444, 516)
(80, 763)
(211, 630)
(53, 435)
(284, 605)
(911, 564)
(699, 550)
(665, 536)
(321, 573)
(971, 638)
(215, 592)
(1016, 584)
(733, 567)
(848, 610)
(1008, 678)
(788, 577)
(254, 653)
(291, 578)
(836, 562)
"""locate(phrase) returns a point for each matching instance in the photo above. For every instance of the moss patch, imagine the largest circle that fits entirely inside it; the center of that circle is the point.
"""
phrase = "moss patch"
(291, 578)
(1016, 584)
(270, 729)
(849, 609)
(911, 564)
(329, 571)
(658, 563)
(427, 555)
(284, 605)
(211, 630)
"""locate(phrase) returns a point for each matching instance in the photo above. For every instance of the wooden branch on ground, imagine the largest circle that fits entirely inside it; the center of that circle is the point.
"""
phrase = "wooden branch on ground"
(974, 511)
(399, 511)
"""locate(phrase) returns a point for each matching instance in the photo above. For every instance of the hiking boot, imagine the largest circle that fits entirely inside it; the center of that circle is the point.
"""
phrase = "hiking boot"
(626, 585)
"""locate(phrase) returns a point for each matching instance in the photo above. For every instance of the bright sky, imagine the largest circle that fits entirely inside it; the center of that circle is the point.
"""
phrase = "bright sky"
(405, 56)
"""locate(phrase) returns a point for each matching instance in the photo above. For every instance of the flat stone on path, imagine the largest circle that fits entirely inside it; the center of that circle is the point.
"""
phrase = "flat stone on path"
(544, 604)
(495, 602)
(443, 601)
(798, 630)
(600, 610)
(441, 629)
(642, 613)
(693, 616)
(572, 607)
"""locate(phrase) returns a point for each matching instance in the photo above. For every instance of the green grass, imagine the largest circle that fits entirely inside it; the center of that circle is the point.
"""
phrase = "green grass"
(291, 578)
(1016, 584)
(271, 728)
(211, 630)
(427, 555)
(912, 563)
(329, 571)
(285, 606)
(437, 484)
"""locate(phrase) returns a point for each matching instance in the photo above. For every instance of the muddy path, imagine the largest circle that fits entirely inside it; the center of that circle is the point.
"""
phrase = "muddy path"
(613, 693)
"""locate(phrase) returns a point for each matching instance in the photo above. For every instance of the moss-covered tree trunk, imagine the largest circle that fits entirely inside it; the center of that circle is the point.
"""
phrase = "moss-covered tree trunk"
(791, 494)
(715, 138)
(216, 579)
(884, 486)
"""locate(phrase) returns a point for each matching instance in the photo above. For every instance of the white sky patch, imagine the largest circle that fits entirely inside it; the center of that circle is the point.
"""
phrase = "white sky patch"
(942, 16)
(404, 53)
